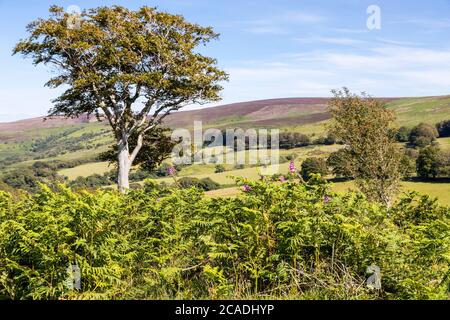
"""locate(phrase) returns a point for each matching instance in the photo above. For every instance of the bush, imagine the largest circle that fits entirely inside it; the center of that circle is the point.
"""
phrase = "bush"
(313, 166)
(288, 240)
(423, 135)
(443, 129)
(219, 169)
(206, 184)
(340, 164)
(430, 162)
(403, 134)
(290, 140)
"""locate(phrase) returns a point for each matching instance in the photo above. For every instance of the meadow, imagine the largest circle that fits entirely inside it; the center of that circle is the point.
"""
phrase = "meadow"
(20, 149)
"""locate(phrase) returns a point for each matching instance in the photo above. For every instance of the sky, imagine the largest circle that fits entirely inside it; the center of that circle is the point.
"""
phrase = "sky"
(271, 49)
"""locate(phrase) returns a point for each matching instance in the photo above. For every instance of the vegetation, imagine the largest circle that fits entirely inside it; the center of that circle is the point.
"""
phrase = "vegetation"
(443, 128)
(432, 163)
(116, 59)
(423, 135)
(363, 126)
(313, 166)
(284, 240)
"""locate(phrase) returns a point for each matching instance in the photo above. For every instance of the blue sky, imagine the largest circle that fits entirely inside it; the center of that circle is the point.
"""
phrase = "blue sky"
(272, 49)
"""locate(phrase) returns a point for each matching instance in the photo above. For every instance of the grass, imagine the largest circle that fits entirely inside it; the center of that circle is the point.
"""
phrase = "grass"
(435, 190)
(86, 170)
(441, 191)
(444, 143)
(413, 111)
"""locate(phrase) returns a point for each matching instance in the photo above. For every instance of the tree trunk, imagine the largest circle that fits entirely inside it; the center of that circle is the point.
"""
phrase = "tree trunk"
(124, 166)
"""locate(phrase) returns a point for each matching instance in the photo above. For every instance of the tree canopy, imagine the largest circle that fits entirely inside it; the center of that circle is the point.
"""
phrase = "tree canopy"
(132, 67)
(363, 124)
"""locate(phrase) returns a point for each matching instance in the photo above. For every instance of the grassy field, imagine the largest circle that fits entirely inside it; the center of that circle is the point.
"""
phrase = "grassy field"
(444, 143)
(22, 150)
(435, 190)
(413, 111)
(86, 170)
(206, 169)
(438, 190)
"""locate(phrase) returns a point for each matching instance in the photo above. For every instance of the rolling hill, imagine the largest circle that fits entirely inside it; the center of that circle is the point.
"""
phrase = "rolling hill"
(26, 141)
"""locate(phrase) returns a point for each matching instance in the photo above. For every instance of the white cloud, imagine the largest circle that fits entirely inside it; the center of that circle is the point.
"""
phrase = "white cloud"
(282, 23)
(380, 71)
(425, 23)
(329, 40)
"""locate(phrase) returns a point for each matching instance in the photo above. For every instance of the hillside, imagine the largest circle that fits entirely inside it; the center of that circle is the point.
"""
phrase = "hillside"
(23, 142)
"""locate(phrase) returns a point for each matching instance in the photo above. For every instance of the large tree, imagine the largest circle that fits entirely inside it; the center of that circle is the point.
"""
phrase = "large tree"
(363, 124)
(131, 67)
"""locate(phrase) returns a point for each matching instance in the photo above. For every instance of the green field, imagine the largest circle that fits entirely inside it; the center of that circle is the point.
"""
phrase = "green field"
(434, 190)
(90, 139)
(86, 170)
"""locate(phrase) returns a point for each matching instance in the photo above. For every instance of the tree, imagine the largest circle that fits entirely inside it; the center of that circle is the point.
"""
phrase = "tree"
(363, 124)
(402, 134)
(290, 140)
(423, 135)
(443, 128)
(219, 169)
(156, 147)
(132, 67)
(429, 162)
(340, 164)
(313, 166)
(408, 163)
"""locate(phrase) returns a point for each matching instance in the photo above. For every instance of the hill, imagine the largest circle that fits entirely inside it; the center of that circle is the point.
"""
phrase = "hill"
(26, 141)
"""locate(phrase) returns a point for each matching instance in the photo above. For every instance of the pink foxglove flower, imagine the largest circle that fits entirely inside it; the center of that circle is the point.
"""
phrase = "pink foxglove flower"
(246, 188)
(282, 179)
(326, 199)
(292, 167)
(171, 171)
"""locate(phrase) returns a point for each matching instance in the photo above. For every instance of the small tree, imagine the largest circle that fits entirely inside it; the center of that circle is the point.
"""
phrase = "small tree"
(423, 135)
(313, 166)
(402, 134)
(443, 128)
(340, 164)
(132, 67)
(363, 124)
(429, 162)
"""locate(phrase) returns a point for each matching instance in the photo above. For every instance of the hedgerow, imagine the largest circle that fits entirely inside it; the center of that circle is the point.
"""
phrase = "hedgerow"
(286, 241)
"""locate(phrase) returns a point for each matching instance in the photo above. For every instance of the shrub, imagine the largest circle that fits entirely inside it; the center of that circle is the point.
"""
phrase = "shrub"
(443, 128)
(290, 140)
(340, 164)
(429, 162)
(206, 184)
(313, 166)
(289, 240)
(423, 135)
(219, 169)
(403, 134)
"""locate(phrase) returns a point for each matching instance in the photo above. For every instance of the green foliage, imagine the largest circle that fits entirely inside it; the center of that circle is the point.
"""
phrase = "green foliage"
(291, 140)
(432, 162)
(363, 125)
(30, 178)
(443, 128)
(313, 166)
(206, 184)
(156, 147)
(285, 240)
(219, 168)
(402, 134)
(130, 67)
(340, 164)
(423, 135)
